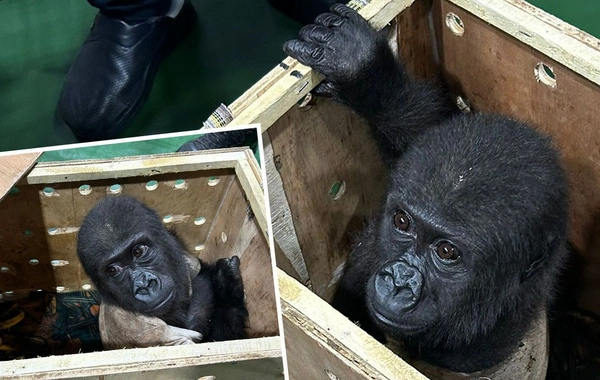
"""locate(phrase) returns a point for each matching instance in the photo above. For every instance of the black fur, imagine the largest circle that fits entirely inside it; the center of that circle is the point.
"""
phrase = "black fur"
(486, 186)
(154, 284)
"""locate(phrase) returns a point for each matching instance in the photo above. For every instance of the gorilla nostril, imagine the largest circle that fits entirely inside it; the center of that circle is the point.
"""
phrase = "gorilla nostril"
(152, 283)
(142, 291)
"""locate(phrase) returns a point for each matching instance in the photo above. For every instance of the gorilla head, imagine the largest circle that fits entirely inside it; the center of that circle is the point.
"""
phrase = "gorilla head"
(131, 258)
(471, 236)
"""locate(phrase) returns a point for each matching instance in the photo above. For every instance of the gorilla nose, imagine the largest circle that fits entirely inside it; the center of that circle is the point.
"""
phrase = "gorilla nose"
(398, 283)
(144, 284)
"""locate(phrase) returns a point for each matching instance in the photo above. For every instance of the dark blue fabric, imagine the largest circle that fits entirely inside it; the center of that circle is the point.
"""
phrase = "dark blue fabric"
(132, 10)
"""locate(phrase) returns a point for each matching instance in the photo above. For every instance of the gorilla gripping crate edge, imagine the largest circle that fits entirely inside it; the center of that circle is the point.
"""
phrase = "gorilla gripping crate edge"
(214, 202)
(325, 177)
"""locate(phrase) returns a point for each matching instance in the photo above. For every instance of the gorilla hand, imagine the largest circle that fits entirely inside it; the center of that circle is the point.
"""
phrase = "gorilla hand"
(346, 50)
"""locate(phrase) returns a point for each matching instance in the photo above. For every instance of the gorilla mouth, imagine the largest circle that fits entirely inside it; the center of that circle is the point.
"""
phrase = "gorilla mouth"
(387, 323)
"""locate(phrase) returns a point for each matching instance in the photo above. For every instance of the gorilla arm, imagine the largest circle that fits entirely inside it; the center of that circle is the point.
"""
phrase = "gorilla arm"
(361, 72)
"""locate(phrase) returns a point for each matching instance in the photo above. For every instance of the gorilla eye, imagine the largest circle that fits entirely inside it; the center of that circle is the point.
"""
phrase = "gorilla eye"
(447, 251)
(139, 250)
(113, 270)
(401, 220)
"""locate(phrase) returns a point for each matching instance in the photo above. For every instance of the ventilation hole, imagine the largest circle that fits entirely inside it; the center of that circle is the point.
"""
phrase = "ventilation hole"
(86, 286)
(28, 233)
(40, 290)
(337, 190)
(306, 103)
(199, 247)
(59, 263)
(85, 189)
(151, 185)
(213, 181)
(60, 289)
(52, 231)
(180, 184)
(34, 262)
(9, 292)
(14, 190)
(463, 104)
(115, 189)
(331, 375)
(223, 237)
(5, 269)
(455, 24)
(200, 221)
(545, 74)
(48, 191)
(168, 219)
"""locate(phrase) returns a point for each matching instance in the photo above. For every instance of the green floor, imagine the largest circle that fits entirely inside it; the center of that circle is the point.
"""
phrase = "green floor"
(236, 43)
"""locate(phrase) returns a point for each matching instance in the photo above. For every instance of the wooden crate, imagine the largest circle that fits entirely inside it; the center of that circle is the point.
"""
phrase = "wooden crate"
(495, 64)
(223, 187)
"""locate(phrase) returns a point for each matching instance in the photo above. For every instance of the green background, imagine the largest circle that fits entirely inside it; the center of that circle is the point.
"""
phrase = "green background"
(234, 45)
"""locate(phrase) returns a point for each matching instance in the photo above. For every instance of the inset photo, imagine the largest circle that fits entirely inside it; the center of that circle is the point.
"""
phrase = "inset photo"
(129, 265)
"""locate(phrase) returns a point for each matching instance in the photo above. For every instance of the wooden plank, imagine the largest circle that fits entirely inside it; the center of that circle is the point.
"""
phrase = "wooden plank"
(416, 40)
(336, 348)
(560, 41)
(279, 91)
(140, 359)
(251, 184)
(315, 149)
(12, 168)
(259, 369)
(86, 170)
(283, 226)
(495, 72)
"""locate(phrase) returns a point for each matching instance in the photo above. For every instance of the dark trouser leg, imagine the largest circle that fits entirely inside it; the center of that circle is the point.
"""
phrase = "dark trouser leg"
(132, 10)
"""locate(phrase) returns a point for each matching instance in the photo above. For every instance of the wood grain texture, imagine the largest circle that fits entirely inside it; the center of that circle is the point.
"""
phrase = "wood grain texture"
(336, 348)
(315, 149)
(496, 73)
(12, 168)
(140, 359)
(416, 40)
(562, 42)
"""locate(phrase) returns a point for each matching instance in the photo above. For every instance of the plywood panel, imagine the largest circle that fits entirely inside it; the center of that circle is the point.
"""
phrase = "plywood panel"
(12, 168)
(312, 151)
(496, 73)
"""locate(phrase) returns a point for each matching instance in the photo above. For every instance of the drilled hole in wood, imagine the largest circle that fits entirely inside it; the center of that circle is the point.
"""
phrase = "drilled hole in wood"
(60, 289)
(14, 190)
(331, 375)
(213, 181)
(52, 231)
(168, 219)
(9, 293)
(86, 286)
(59, 263)
(34, 262)
(180, 184)
(115, 189)
(48, 191)
(455, 24)
(337, 190)
(5, 269)
(545, 74)
(199, 247)
(200, 221)
(223, 237)
(28, 233)
(85, 189)
(151, 185)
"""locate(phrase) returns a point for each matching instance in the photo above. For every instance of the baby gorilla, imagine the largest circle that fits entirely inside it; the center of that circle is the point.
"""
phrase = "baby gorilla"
(139, 266)
(466, 248)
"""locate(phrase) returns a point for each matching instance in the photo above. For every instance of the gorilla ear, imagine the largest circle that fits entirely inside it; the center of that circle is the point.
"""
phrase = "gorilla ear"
(537, 263)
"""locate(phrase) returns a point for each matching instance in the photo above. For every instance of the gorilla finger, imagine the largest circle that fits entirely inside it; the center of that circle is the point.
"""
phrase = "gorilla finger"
(315, 33)
(344, 11)
(329, 20)
(307, 53)
(326, 89)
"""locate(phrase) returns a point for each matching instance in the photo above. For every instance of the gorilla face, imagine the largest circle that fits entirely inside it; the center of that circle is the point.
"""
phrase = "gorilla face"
(131, 258)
